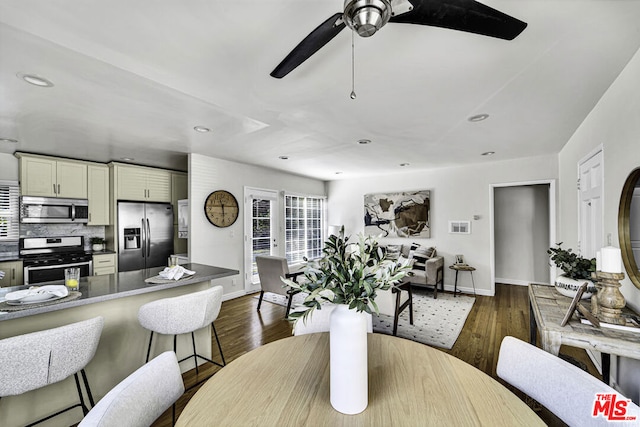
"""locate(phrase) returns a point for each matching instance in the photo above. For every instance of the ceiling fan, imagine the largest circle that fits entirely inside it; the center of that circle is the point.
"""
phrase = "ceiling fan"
(365, 17)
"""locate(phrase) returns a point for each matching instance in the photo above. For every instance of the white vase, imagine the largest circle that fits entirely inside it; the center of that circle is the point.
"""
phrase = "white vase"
(97, 247)
(348, 360)
(569, 287)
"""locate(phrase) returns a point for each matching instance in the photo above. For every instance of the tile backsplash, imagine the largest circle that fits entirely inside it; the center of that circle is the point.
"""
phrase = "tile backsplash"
(60, 230)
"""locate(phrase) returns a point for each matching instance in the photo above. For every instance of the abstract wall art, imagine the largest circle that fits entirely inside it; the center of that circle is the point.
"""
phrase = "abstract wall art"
(401, 214)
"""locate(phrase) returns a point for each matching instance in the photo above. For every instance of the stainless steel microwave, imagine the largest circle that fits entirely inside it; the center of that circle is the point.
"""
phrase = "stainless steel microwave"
(53, 210)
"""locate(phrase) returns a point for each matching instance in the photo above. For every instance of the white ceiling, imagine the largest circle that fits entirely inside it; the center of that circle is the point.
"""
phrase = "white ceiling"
(133, 77)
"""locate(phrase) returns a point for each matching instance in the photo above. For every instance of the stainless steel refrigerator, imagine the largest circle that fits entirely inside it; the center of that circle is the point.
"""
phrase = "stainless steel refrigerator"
(145, 235)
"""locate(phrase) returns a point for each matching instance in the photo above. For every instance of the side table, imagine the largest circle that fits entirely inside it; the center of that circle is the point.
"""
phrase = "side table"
(463, 267)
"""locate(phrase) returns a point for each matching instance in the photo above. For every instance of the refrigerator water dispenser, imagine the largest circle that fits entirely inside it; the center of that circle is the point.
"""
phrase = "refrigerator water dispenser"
(131, 238)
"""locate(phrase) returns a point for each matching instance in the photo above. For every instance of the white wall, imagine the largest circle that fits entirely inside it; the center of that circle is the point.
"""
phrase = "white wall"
(457, 193)
(521, 227)
(614, 124)
(224, 247)
(8, 167)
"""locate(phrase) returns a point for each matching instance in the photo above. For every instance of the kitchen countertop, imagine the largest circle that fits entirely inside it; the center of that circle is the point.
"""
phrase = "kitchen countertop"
(96, 289)
(9, 256)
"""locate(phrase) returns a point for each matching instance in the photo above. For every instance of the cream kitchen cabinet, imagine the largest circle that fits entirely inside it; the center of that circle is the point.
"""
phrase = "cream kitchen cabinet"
(104, 264)
(12, 273)
(143, 184)
(47, 177)
(98, 194)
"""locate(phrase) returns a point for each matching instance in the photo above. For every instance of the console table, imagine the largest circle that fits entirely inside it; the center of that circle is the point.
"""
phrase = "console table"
(548, 308)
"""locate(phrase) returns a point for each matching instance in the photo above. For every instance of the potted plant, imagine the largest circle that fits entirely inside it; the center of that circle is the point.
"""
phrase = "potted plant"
(97, 243)
(347, 275)
(576, 269)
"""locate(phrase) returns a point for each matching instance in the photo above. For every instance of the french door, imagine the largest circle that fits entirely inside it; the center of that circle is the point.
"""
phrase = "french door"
(261, 231)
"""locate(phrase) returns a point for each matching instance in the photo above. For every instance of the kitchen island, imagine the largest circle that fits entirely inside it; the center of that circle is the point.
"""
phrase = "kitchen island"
(123, 344)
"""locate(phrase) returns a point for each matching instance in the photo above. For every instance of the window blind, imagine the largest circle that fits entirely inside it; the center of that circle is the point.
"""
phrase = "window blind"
(9, 210)
(304, 222)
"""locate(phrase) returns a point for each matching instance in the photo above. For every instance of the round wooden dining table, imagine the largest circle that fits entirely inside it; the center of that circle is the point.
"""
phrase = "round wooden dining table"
(286, 383)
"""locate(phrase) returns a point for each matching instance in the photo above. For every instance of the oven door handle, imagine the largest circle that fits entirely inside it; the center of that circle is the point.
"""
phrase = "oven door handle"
(50, 267)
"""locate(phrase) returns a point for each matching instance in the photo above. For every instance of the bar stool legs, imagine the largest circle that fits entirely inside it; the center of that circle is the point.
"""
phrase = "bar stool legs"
(195, 355)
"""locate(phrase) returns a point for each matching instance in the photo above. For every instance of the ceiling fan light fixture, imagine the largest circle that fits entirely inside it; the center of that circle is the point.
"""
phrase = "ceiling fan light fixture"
(366, 17)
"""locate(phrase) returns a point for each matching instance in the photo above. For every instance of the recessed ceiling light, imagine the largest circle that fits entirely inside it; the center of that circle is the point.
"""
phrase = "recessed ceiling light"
(404, 164)
(127, 159)
(478, 118)
(201, 129)
(13, 141)
(488, 153)
(364, 141)
(338, 173)
(35, 80)
(283, 157)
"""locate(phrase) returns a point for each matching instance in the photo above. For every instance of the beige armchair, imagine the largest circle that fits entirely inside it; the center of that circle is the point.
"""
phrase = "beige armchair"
(427, 269)
(270, 271)
(432, 275)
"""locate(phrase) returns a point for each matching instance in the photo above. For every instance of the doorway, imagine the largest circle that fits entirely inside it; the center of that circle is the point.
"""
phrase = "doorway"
(261, 231)
(590, 194)
(522, 229)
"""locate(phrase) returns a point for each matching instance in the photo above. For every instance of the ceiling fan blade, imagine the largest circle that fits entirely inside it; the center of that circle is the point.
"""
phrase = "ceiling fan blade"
(463, 15)
(310, 45)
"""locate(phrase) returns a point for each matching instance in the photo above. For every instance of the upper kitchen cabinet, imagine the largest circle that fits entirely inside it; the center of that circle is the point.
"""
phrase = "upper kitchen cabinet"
(98, 194)
(142, 183)
(48, 177)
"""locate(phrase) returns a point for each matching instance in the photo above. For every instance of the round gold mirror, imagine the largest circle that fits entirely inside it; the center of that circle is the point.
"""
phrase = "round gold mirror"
(629, 226)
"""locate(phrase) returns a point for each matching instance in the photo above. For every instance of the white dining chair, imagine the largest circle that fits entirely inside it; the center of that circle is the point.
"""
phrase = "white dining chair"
(139, 399)
(564, 389)
(319, 321)
(38, 359)
(181, 315)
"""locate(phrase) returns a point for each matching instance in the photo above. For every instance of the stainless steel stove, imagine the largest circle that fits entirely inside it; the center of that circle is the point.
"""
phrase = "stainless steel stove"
(45, 258)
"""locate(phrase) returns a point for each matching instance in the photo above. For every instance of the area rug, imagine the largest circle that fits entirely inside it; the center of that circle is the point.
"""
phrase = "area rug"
(436, 322)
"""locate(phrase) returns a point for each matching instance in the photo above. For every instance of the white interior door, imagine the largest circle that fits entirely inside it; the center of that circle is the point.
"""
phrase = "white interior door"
(261, 231)
(590, 202)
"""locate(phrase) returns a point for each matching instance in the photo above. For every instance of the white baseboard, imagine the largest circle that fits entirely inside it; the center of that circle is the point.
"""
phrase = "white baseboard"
(518, 282)
(233, 295)
(468, 291)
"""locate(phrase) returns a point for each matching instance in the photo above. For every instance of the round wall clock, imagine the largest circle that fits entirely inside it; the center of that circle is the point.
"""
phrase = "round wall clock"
(221, 208)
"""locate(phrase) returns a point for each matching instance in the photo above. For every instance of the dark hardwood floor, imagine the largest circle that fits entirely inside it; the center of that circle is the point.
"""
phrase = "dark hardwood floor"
(242, 328)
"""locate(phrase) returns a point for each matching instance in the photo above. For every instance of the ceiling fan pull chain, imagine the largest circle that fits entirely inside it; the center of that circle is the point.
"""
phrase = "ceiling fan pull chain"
(353, 66)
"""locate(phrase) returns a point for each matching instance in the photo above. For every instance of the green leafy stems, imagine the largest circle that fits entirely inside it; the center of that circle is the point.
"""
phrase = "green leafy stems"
(347, 273)
(573, 265)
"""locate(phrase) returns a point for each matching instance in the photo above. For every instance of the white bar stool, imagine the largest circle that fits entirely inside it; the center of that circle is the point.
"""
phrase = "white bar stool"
(181, 315)
(32, 361)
